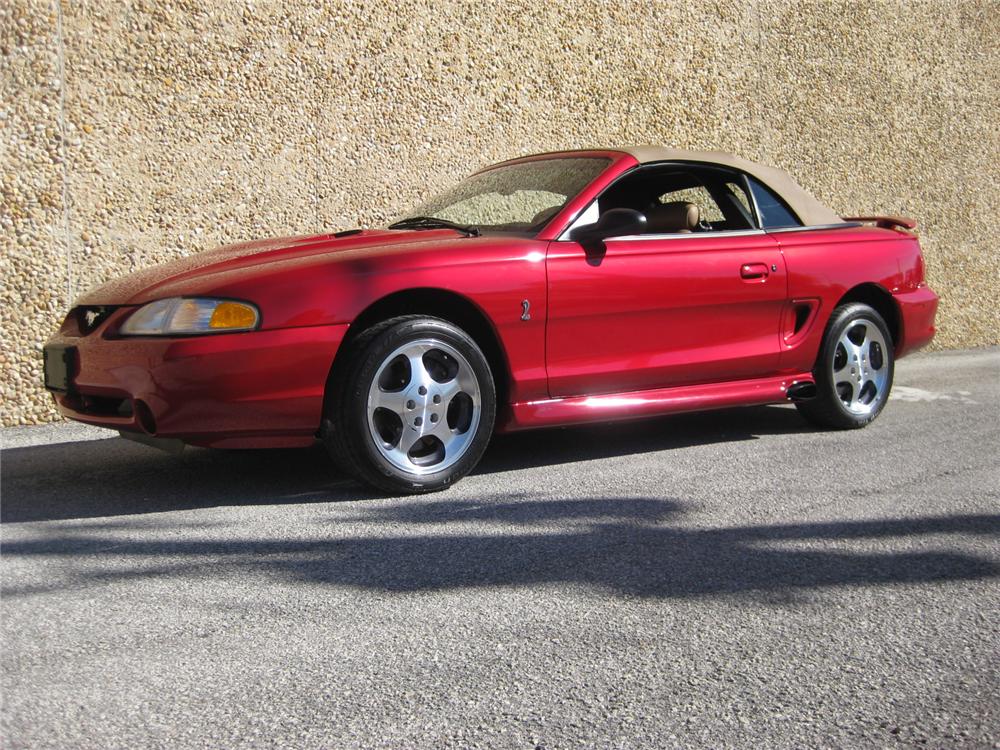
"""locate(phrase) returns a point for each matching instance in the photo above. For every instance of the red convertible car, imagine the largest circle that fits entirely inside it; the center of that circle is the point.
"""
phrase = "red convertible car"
(555, 289)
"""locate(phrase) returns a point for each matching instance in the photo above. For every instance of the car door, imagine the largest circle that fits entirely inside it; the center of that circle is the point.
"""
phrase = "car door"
(660, 310)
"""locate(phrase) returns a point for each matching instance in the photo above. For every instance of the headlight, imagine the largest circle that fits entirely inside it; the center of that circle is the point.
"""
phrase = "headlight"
(190, 315)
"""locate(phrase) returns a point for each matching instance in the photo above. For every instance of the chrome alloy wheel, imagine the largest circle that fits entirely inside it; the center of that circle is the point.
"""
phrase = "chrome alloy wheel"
(424, 406)
(860, 367)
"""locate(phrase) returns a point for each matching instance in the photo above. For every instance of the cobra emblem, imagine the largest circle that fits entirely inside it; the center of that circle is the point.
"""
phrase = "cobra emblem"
(525, 310)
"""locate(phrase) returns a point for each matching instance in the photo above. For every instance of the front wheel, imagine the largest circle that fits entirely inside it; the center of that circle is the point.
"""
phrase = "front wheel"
(415, 411)
(854, 370)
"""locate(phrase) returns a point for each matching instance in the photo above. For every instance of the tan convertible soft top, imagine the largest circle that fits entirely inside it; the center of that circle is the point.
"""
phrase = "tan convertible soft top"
(809, 210)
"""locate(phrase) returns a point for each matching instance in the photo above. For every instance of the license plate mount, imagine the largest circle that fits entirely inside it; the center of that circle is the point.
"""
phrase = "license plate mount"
(60, 367)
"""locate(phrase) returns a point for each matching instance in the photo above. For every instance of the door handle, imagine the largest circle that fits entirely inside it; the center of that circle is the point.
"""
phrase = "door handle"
(753, 271)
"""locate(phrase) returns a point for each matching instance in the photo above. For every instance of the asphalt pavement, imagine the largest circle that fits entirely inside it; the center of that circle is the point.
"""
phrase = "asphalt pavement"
(733, 579)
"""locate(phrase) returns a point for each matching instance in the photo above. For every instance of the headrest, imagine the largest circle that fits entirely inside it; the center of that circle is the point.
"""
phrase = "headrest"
(678, 216)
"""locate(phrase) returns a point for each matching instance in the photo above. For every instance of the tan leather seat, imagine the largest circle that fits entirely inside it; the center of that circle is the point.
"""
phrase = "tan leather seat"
(667, 218)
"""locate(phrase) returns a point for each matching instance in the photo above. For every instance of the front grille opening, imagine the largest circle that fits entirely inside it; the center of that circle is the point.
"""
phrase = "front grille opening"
(86, 319)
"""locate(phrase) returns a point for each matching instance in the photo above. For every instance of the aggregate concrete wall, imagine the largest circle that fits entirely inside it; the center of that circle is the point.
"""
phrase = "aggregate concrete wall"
(136, 132)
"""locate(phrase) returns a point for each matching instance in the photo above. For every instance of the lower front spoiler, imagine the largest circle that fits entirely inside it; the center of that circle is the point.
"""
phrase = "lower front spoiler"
(559, 412)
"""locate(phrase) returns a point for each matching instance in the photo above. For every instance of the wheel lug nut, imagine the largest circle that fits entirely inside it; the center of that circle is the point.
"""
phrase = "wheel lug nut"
(418, 421)
(422, 391)
(437, 399)
(434, 417)
(410, 404)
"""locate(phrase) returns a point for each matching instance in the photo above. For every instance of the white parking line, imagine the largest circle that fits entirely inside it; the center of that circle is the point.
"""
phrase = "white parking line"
(909, 393)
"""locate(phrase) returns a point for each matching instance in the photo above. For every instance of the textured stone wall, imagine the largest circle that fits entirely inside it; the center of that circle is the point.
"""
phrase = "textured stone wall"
(136, 132)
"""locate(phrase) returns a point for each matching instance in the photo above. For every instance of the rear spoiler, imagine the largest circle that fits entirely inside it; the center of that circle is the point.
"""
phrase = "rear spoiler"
(885, 222)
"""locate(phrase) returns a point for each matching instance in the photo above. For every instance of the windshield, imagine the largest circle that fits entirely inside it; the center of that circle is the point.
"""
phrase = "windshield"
(516, 198)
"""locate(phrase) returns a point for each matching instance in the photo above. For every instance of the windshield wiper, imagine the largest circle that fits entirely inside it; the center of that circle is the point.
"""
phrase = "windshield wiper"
(433, 222)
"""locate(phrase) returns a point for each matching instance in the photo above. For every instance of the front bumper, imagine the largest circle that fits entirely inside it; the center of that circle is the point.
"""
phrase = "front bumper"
(255, 389)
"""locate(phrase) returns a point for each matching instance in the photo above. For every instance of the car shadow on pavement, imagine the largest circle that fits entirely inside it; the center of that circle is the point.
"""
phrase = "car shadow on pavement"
(633, 547)
(116, 477)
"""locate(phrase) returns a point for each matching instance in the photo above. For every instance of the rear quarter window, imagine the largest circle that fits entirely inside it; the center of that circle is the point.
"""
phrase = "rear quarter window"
(774, 214)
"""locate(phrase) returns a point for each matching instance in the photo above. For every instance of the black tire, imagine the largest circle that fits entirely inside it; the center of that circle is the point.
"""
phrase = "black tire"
(849, 395)
(350, 431)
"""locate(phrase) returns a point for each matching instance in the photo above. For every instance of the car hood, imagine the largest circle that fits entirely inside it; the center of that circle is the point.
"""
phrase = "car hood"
(142, 286)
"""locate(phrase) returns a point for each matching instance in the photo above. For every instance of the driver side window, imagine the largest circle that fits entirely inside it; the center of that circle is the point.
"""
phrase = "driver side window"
(678, 199)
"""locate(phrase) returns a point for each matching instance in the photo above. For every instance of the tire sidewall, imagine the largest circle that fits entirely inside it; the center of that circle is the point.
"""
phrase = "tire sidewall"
(369, 362)
(839, 322)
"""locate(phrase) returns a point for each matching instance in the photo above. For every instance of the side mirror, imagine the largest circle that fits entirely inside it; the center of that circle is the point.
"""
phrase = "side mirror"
(617, 222)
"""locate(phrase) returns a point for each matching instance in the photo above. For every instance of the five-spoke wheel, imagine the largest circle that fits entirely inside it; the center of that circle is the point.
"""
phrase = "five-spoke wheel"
(854, 370)
(424, 406)
(413, 407)
(860, 366)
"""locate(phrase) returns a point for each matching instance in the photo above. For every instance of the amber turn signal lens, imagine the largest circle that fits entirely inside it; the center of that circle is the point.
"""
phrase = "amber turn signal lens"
(233, 315)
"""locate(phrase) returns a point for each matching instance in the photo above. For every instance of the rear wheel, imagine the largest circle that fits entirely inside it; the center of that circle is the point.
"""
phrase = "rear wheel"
(854, 370)
(415, 408)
